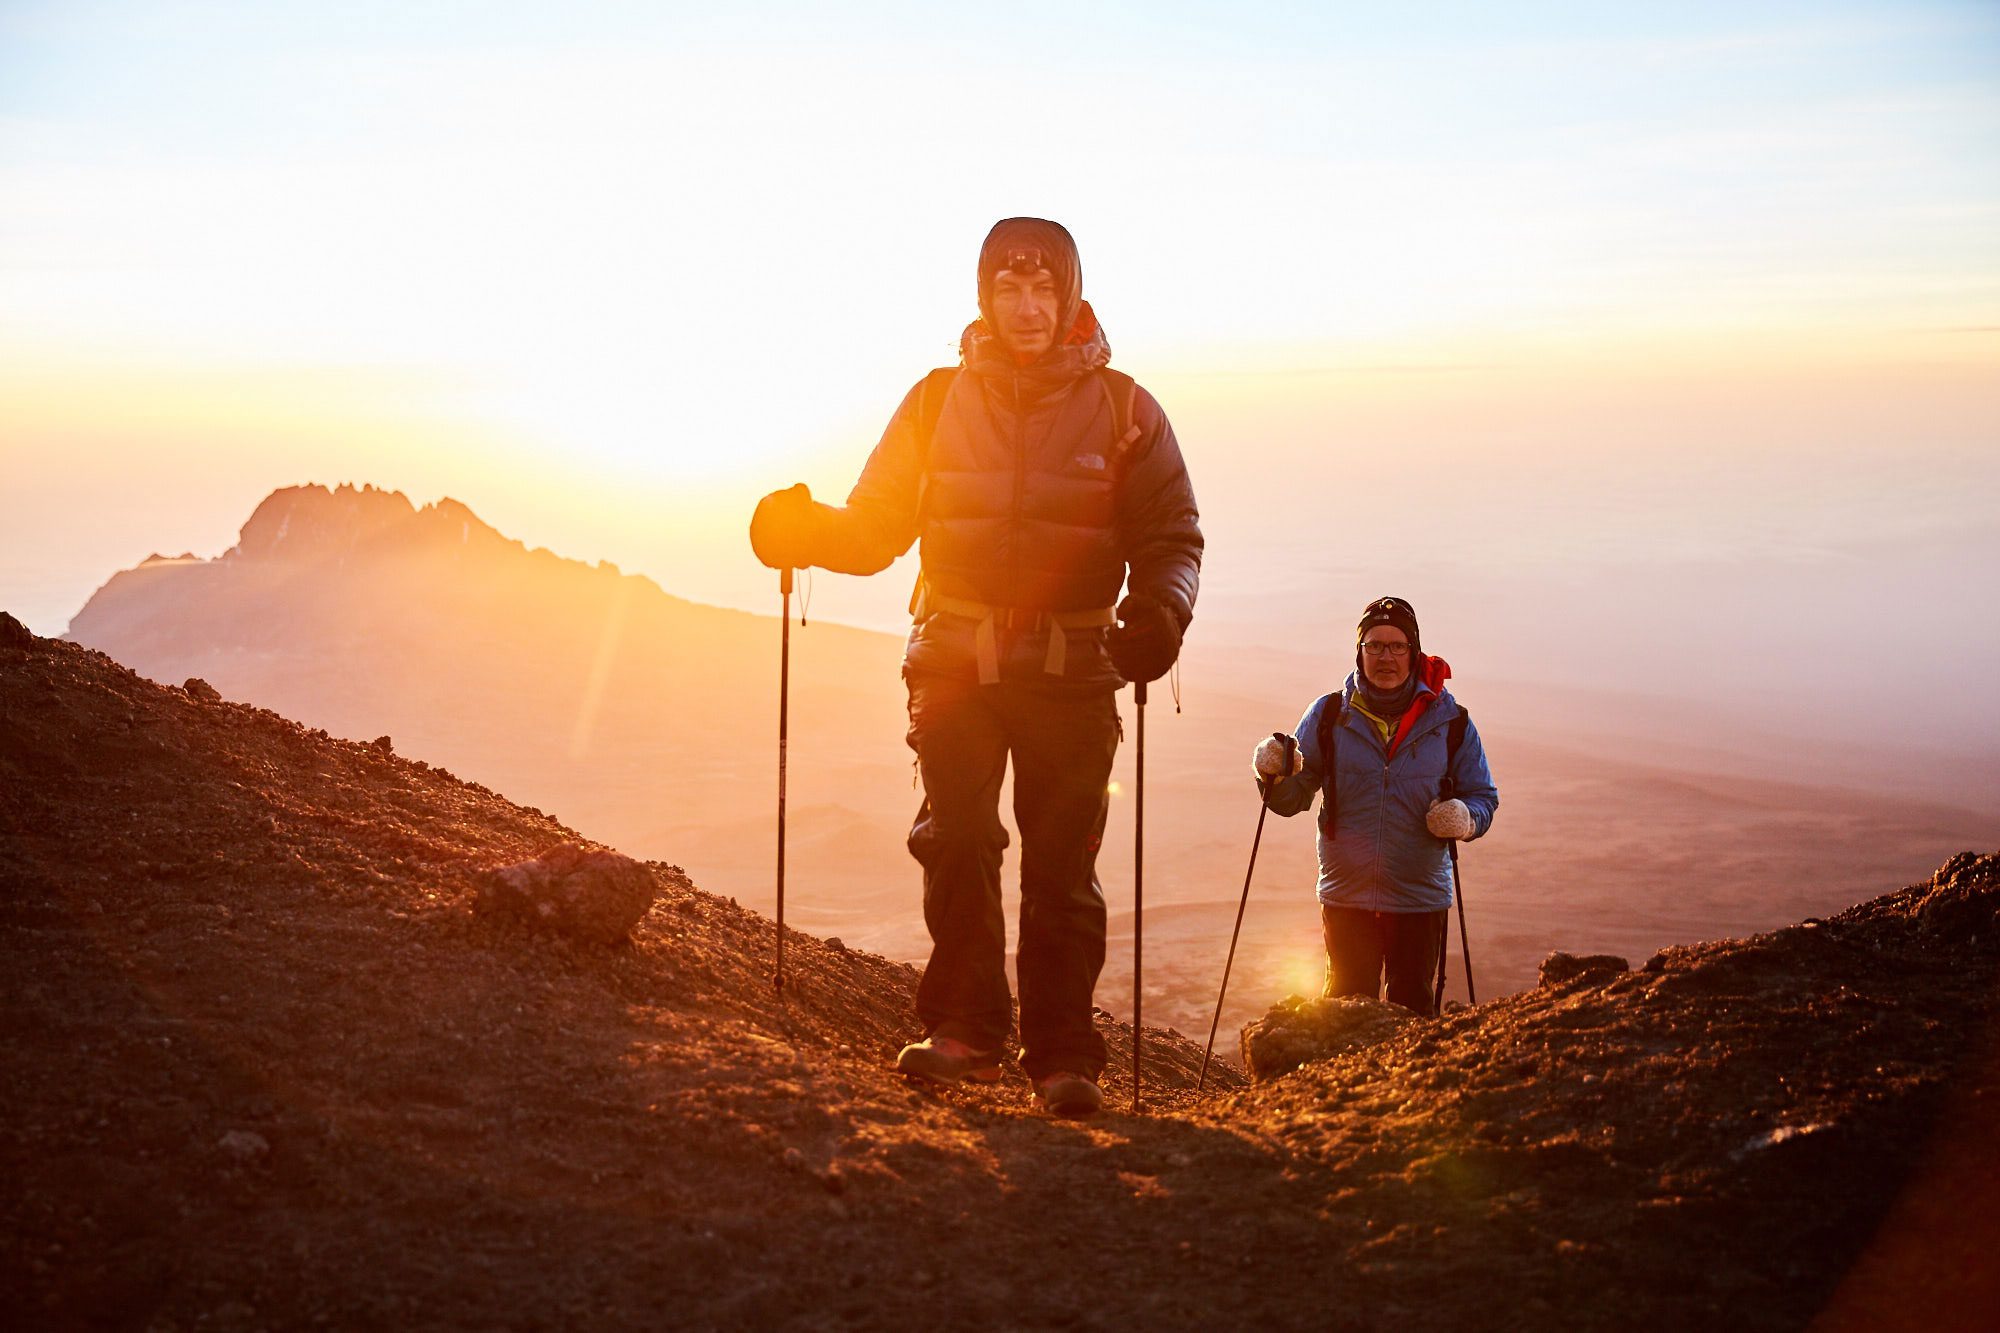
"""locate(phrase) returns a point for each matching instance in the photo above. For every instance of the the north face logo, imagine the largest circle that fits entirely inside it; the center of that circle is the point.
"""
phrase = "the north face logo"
(1090, 462)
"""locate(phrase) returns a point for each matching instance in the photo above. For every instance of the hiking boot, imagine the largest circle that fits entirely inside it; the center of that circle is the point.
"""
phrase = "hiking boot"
(1070, 1095)
(946, 1060)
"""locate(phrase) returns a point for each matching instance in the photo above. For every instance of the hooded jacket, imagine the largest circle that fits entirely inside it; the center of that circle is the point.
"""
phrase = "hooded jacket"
(1021, 499)
(1382, 858)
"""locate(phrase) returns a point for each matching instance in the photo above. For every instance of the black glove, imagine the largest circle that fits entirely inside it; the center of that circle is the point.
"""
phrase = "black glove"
(781, 530)
(1146, 641)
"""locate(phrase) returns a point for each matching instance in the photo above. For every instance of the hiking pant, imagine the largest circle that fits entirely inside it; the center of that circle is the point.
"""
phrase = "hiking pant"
(1062, 736)
(1362, 947)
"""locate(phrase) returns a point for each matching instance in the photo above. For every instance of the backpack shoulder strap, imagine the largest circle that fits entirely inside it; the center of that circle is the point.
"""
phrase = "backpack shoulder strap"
(1329, 721)
(1454, 736)
(1328, 732)
(1122, 392)
(932, 391)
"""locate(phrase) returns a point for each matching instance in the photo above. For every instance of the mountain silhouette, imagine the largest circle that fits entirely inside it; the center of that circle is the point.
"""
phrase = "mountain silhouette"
(574, 686)
(267, 1068)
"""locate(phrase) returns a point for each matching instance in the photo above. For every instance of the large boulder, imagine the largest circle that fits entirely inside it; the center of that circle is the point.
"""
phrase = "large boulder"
(591, 895)
(13, 634)
(1962, 901)
(1560, 967)
(1297, 1030)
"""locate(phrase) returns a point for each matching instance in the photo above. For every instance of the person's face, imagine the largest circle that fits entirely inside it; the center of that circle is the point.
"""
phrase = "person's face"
(1385, 656)
(1024, 311)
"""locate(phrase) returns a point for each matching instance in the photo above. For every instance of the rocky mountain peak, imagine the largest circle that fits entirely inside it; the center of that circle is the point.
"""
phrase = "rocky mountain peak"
(306, 523)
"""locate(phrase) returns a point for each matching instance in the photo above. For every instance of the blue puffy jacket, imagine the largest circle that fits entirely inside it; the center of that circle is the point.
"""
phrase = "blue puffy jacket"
(1382, 858)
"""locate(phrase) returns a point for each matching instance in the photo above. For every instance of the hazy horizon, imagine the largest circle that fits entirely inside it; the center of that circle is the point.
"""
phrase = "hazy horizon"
(1684, 326)
(647, 722)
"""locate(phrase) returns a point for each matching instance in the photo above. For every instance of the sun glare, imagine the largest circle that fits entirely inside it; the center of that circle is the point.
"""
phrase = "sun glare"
(1305, 973)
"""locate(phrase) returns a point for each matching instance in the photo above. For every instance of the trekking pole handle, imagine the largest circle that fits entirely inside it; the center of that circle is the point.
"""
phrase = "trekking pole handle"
(1268, 781)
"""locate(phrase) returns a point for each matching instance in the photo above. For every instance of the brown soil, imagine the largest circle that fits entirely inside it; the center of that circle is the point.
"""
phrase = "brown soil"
(265, 1069)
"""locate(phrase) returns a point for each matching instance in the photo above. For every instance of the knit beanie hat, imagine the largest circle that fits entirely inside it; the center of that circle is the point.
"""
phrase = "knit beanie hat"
(1027, 244)
(1395, 612)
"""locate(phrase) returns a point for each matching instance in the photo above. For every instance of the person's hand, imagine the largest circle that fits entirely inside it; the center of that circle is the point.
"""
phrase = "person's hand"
(1277, 756)
(1449, 819)
(1146, 641)
(781, 529)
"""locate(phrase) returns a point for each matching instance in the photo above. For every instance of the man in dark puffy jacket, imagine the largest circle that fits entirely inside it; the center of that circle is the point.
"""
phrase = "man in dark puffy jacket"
(1034, 479)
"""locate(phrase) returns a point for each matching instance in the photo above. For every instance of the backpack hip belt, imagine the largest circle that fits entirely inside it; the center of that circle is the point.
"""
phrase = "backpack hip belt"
(989, 618)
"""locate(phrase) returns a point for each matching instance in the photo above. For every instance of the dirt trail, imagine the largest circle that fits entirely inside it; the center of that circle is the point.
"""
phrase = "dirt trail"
(265, 1069)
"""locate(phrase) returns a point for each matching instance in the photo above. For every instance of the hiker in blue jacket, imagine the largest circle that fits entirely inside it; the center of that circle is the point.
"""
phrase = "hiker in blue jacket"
(1396, 792)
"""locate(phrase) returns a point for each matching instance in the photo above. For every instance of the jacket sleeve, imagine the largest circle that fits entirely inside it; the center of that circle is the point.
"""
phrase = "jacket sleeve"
(1472, 781)
(879, 520)
(1291, 795)
(1159, 529)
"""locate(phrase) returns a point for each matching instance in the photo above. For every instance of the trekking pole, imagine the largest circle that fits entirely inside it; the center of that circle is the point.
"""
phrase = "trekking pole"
(1138, 885)
(1263, 808)
(1464, 943)
(1444, 950)
(1448, 789)
(784, 732)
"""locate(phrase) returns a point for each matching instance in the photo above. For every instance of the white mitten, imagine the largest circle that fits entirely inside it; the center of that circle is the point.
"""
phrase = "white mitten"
(1269, 760)
(1449, 819)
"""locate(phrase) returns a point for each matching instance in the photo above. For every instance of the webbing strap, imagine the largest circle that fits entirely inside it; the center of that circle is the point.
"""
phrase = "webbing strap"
(1124, 426)
(986, 637)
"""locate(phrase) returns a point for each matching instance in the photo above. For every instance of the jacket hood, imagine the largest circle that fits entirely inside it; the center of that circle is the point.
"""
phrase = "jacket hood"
(1432, 673)
(1049, 245)
(1083, 350)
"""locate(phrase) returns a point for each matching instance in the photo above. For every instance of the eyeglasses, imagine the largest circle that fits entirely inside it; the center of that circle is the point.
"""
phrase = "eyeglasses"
(1386, 649)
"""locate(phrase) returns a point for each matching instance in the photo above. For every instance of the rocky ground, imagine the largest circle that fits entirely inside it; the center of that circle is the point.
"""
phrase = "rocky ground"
(266, 1068)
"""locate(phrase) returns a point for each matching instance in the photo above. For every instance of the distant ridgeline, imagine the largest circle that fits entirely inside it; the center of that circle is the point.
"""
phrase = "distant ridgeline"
(570, 685)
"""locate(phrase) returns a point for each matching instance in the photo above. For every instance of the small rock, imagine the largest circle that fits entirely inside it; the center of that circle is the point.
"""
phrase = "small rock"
(201, 691)
(1297, 1030)
(833, 943)
(1773, 1137)
(1560, 967)
(591, 895)
(13, 634)
(794, 1160)
(245, 1145)
(384, 744)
